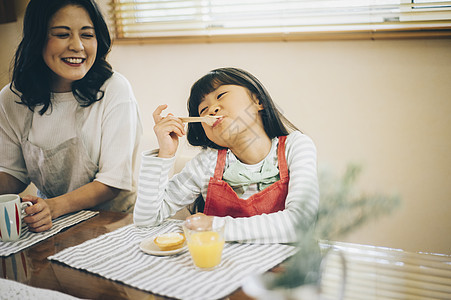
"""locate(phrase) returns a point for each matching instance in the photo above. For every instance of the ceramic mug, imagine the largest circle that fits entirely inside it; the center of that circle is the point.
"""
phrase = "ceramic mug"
(12, 212)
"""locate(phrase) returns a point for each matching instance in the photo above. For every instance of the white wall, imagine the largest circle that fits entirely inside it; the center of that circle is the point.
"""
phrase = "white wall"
(384, 104)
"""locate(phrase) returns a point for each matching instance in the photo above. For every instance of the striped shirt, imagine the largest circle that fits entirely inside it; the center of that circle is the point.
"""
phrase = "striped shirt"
(160, 197)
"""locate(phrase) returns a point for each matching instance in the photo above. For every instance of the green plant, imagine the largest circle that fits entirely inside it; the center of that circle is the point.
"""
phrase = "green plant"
(341, 210)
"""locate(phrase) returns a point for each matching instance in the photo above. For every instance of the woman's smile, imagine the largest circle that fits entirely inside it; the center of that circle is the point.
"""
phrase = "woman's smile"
(74, 61)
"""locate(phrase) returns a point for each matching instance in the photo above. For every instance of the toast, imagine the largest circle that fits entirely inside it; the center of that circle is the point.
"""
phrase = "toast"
(170, 241)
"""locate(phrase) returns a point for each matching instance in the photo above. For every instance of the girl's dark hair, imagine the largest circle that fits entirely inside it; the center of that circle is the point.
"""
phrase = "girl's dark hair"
(32, 78)
(274, 123)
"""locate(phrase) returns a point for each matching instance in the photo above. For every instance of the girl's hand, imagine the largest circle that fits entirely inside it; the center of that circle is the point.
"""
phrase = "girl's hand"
(168, 130)
(39, 216)
(199, 221)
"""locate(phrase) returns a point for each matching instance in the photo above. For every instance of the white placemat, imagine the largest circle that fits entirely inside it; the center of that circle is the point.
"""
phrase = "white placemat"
(117, 256)
(29, 238)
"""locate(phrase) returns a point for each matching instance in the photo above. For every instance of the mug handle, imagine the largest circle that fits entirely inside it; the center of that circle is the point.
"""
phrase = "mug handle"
(24, 205)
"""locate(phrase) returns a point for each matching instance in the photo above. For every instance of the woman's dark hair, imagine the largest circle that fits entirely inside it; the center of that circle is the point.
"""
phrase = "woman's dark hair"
(274, 122)
(32, 78)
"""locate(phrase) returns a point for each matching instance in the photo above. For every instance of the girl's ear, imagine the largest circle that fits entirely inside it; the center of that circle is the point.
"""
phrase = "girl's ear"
(257, 102)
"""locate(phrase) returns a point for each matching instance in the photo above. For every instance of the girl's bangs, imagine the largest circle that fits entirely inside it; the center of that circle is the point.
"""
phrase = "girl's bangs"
(200, 89)
(205, 87)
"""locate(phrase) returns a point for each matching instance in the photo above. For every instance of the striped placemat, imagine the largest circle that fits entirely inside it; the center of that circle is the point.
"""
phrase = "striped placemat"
(117, 256)
(29, 238)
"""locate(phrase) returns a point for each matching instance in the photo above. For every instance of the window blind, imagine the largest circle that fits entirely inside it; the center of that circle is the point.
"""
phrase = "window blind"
(284, 18)
(425, 10)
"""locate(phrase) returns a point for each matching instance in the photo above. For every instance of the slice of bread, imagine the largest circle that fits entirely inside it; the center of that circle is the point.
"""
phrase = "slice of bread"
(170, 241)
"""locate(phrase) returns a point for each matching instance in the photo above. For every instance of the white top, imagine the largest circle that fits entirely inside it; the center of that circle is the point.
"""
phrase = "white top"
(110, 133)
(160, 197)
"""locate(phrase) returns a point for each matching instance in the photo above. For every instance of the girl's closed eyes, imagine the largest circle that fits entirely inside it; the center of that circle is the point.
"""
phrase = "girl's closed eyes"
(203, 107)
(220, 95)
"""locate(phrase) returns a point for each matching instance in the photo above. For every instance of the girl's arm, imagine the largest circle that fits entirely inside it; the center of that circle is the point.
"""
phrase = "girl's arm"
(301, 204)
(168, 130)
(160, 198)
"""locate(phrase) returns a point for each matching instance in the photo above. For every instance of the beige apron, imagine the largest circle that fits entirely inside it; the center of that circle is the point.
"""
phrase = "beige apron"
(66, 167)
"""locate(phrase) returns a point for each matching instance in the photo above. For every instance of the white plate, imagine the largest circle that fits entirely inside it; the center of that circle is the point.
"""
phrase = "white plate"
(148, 246)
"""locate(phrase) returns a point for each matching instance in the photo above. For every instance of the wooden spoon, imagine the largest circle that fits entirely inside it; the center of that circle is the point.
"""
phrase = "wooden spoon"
(209, 120)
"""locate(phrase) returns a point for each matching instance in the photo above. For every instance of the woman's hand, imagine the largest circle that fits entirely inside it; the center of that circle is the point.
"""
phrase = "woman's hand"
(168, 130)
(39, 215)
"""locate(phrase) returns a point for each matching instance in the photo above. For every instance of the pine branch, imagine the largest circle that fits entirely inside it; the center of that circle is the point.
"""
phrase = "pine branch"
(341, 211)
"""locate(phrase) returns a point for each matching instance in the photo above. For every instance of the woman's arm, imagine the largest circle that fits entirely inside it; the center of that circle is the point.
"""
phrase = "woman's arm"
(43, 211)
(13, 172)
(10, 184)
(87, 196)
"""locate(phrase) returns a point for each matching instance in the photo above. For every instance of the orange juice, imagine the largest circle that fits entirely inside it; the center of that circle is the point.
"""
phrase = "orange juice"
(206, 248)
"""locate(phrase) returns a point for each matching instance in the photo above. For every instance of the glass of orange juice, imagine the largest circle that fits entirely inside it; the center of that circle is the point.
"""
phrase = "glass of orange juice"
(205, 244)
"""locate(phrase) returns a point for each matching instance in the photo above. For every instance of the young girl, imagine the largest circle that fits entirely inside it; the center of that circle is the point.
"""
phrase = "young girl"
(253, 173)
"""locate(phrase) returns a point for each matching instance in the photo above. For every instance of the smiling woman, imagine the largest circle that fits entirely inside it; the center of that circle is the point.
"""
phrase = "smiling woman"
(71, 47)
(60, 128)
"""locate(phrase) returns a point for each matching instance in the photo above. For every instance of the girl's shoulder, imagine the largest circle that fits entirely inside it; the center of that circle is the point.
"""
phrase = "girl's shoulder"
(297, 135)
(204, 160)
(206, 154)
(298, 139)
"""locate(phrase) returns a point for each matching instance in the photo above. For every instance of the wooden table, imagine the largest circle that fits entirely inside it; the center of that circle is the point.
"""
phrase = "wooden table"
(33, 268)
(372, 272)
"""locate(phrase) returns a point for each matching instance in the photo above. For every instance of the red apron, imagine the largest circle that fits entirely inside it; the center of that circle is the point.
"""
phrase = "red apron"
(223, 201)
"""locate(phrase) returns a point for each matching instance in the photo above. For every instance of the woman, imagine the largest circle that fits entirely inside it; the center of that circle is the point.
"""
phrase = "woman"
(68, 122)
